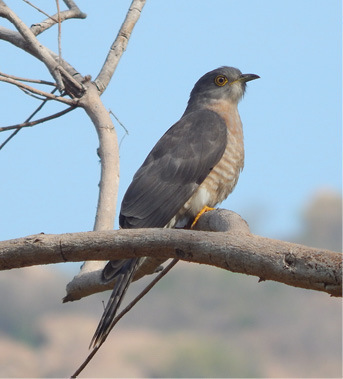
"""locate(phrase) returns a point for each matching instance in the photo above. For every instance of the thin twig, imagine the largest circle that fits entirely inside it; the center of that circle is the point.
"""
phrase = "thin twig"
(59, 32)
(9, 138)
(39, 92)
(119, 122)
(37, 81)
(36, 122)
(124, 311)
(122, 125)
(39, 10)
(31, 94)
(27, 120)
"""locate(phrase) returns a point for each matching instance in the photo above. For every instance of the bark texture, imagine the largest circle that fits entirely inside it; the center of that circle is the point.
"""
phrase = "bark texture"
(224, 241)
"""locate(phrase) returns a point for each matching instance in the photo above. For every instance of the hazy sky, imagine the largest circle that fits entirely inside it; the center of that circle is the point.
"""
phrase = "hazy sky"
(291, 116)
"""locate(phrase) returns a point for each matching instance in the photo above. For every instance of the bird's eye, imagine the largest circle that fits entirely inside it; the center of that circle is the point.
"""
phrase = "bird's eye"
(220, 80)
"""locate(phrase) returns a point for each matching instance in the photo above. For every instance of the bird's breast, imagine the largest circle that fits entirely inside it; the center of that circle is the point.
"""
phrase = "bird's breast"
(224, 176)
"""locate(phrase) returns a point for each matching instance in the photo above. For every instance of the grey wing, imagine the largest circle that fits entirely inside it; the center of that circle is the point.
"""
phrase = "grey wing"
(176, 166)
(173, 170)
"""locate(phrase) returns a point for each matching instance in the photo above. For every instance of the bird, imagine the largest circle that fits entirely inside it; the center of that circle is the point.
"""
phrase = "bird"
(193, 167)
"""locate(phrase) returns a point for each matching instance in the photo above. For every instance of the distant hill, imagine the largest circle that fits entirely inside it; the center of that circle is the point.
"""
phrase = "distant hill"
(322, 220)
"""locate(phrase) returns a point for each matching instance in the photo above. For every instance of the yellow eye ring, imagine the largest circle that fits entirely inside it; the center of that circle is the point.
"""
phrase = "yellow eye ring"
(220, 80)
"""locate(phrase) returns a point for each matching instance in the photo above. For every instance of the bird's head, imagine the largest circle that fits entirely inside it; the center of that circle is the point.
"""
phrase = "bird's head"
(223, 83)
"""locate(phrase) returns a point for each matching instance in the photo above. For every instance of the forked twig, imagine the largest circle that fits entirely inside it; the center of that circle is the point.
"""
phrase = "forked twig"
(119, 122)
(124, 311)
(122, 125)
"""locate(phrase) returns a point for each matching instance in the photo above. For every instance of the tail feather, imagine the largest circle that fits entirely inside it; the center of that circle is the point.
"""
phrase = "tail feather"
(123, 279)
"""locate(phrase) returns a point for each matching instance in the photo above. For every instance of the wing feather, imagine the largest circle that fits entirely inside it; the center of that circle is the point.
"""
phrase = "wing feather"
(173, 170)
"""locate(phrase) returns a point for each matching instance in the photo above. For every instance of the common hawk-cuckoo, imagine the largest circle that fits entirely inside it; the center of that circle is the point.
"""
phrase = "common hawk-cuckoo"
(196, 163)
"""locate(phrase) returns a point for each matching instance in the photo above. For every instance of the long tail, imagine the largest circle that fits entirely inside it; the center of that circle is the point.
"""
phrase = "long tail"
(124, 277)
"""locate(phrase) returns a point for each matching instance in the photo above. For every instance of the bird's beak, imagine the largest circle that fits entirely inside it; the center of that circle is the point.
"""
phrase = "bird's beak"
(247, 77)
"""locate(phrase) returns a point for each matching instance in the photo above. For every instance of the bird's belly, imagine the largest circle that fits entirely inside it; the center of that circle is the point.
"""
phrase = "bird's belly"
(223, 177)
(215, 188)
(200, 198)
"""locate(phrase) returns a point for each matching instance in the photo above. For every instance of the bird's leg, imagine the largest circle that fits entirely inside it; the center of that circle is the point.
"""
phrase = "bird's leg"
(205, 209)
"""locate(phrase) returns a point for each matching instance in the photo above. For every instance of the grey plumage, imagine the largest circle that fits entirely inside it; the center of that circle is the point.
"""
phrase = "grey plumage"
(172, 172)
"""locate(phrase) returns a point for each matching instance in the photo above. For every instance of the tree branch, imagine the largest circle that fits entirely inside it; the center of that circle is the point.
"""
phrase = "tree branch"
(119, 45)
(71, 102)
(62, 72)
(39, 10)
(108, 150)
(80, 87)
(36, 122)
(34, 44)
(75, 84)
(37, 81)
(235, 250)
(72, 12)
(73, 79)
(123, 313)
(109, 154)
(59, 31)
(28, 119)
(17, 40)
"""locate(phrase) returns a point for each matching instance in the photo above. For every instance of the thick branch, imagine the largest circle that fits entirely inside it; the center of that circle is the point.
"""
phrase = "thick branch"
(119, 45)
(109, 154)
(76, 86)
(108, 147)
(236, 250)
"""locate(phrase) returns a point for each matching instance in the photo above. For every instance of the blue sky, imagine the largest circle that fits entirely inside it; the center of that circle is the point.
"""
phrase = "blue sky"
(292, 115)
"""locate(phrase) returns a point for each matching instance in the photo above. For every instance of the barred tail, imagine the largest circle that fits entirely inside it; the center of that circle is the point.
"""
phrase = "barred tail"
(123, 279)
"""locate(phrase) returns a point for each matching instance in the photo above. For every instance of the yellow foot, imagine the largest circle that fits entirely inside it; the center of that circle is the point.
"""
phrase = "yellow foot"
(205, 209)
